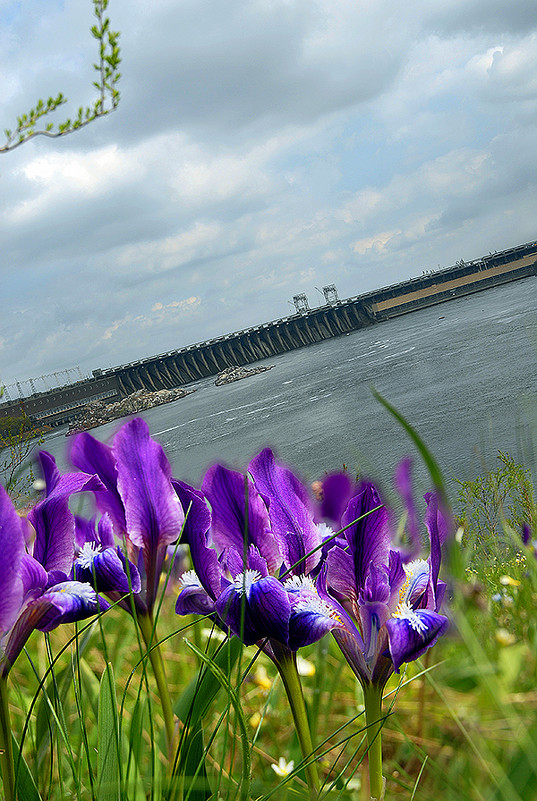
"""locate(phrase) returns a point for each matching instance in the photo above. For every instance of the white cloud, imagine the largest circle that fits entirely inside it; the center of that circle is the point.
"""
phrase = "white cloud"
(171, 251)
(160, 313)
(377, 242)
(57, 178)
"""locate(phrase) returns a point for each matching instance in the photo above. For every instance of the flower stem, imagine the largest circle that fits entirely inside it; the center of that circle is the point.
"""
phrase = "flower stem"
(147, 628)
(373, 719)
(286, 664)
(6, 747)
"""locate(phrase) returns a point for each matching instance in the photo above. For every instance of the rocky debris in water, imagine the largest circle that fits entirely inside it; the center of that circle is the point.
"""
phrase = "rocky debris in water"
(97, 412)
(236, 373)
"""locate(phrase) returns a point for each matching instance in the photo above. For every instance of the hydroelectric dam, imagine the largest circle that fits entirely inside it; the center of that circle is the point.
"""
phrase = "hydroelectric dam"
(306, 327)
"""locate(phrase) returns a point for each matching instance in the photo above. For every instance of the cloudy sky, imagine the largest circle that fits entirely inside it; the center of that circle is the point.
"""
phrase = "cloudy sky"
(261, 148)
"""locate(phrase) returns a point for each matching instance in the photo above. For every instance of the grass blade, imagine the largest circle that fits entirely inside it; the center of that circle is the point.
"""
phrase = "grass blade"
(108, 764)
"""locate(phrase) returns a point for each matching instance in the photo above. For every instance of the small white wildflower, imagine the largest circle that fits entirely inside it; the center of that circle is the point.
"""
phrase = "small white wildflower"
(283, 768)
(507, 581)
(504, 637)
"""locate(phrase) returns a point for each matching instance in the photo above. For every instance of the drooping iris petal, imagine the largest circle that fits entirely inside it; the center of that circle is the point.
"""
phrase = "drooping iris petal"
(368, 534)
(92, 456)
(239, 514)
(54, 522)
(106, 570)
(412, 632)
(193, 598)
(62, 603)
(11, 552)
(68, 602)
(312, 616)
(153, 513)
(291, 518)
(255, 607)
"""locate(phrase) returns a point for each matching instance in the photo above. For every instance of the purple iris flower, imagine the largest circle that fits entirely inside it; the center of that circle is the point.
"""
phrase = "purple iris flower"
(139, 506)
(394, 604)
(36, 590)
(254, 544)
(102, 563)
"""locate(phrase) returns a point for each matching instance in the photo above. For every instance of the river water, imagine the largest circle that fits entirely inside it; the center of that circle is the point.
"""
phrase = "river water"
(462, 373)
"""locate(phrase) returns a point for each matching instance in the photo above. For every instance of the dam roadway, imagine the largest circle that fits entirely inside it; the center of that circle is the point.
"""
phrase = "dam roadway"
(186, 365)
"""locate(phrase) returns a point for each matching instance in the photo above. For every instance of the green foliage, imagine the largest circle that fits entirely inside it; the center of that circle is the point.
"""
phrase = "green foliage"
(18, 437)
(107, 69)
(108, 767)
(495, 507)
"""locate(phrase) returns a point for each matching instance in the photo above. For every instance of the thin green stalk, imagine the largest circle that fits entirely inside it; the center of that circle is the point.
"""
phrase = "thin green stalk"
(6, 746)
(286, 664)
(147, 627)
(373, 719)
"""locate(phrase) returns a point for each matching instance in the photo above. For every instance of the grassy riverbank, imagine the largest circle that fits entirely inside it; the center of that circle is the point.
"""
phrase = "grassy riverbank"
(460, 723)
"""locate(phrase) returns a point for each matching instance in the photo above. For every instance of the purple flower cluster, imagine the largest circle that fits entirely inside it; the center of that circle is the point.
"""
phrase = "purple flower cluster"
(272, 564)
(278, 569)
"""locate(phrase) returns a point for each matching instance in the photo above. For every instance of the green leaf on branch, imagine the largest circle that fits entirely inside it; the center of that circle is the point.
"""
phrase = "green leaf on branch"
(109, 60)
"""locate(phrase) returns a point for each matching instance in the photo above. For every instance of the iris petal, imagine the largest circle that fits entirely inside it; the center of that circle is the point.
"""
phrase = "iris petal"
(239, 514)
(153, 513)
(54, 522)
(68, 602)
(12, 550)
(255, 608)
(92, 456)
(368, 534)
(412, 632)
(290, 515)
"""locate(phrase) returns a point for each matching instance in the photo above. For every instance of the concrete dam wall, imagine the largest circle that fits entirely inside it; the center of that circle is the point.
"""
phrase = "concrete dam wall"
(243, 347)
(270, 339)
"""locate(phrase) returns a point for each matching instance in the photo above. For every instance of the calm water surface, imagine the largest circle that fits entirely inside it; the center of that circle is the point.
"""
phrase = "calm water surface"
(463, 374)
